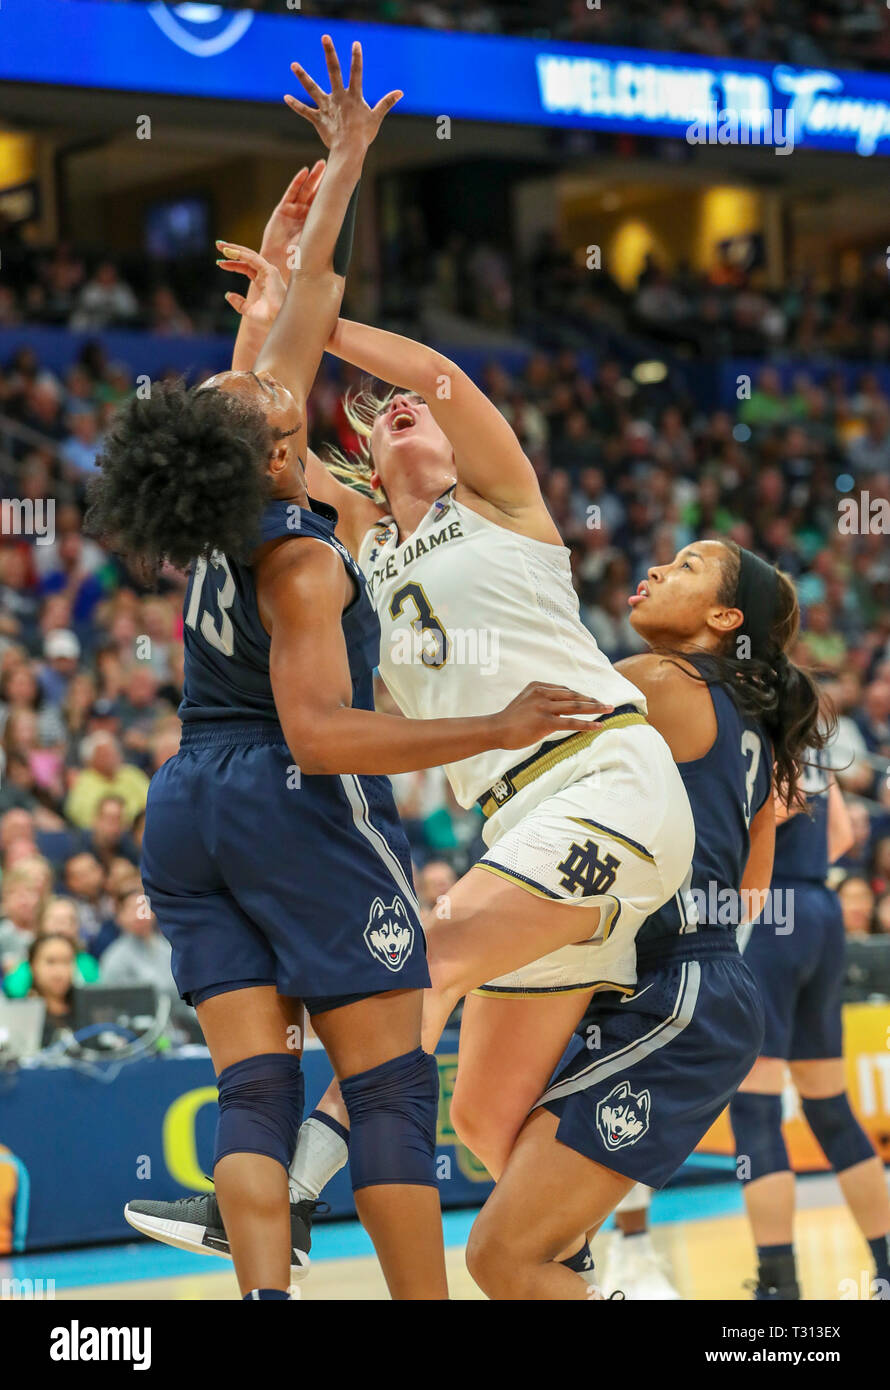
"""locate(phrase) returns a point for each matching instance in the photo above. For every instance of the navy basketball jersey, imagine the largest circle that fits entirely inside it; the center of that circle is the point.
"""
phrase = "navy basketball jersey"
(802, 841)
(226, 645)
(726, 789)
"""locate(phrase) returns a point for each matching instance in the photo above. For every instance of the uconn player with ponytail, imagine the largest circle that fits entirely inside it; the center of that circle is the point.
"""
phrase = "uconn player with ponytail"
(272, 852)
(650, 1072)
(800, 973)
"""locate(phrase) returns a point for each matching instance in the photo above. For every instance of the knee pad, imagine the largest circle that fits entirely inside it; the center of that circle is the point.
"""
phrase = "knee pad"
(757, 1126)
(260, 1107)
(839, 1133)
(392, 1120)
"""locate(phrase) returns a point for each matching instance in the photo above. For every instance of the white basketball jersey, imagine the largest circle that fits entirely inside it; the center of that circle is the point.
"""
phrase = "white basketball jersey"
(470, 613)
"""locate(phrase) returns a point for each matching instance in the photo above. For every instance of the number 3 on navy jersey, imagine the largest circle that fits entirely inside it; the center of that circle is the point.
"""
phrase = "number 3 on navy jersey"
(222, 638)
(750, 747)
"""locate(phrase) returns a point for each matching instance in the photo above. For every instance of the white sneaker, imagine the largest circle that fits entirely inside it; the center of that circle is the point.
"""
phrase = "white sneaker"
(636, 1269)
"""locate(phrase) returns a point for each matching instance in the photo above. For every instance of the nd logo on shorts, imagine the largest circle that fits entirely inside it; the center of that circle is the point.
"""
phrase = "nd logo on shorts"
(389, 934)
(623, 1117)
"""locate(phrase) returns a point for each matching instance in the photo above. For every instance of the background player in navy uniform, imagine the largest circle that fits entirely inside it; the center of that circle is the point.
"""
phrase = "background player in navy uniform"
(651, 1071)
(800, 973)
(272, 852)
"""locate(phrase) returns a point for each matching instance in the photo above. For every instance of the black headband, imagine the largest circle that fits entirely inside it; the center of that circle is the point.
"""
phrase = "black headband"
(756, 595)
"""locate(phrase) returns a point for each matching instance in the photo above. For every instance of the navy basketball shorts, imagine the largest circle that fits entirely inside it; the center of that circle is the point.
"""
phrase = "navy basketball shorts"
(649, 1073)
(261, 875)
(801, 974)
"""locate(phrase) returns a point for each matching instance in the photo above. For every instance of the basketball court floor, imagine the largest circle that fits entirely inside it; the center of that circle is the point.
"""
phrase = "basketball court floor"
(700, 1231)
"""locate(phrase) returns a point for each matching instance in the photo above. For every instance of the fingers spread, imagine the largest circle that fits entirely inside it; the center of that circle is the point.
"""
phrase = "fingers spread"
(308, 83)
(355, 70)
(310, 112)
(333, 63)
(385, 104)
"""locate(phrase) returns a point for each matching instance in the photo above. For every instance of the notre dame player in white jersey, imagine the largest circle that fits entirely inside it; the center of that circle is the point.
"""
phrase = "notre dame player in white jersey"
(587, 834)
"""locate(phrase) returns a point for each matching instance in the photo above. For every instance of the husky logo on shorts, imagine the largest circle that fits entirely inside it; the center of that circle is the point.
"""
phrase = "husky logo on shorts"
(389, 933)
(623, 1116)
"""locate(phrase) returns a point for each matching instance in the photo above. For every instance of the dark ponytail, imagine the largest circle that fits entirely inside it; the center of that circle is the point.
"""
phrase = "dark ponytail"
(183, 473)
(755, 670)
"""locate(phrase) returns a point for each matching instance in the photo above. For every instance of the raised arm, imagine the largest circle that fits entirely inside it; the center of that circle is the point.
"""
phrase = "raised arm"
(488, 456)
(347, 125)
(259, 309)
(279, 250)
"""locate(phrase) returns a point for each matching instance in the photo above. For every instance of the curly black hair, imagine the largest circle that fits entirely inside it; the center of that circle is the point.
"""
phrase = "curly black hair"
(183, 473)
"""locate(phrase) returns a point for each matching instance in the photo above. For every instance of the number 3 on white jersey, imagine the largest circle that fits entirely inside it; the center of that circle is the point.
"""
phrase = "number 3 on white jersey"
(750, 745)
(223, 639)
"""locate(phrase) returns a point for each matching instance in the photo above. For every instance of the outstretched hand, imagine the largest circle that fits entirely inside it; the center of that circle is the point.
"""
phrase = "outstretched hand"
(342, 117)
(283, 229)
(269, 286)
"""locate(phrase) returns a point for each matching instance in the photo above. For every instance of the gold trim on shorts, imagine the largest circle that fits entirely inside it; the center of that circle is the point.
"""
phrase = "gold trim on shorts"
(639, 850)
(555, 755)
(496, 992)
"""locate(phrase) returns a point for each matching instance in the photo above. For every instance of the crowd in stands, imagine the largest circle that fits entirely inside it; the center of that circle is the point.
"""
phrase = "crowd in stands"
(851, 33)
(549, 297)
(91, 661)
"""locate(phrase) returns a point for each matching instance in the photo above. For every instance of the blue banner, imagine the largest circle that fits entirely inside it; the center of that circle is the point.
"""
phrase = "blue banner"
(74, 1148)
(207, 51)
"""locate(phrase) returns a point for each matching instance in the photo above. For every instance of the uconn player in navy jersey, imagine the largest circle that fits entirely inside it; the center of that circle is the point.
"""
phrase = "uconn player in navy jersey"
(652, 1069)
(800, 970)
(272, 852)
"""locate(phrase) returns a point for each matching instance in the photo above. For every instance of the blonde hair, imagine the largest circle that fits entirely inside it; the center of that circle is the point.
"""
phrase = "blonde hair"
(361, 406)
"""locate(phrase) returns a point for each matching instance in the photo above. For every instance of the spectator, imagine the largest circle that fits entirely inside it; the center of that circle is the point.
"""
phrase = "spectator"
(882, 913)
(51, 961)
(857, 905)
(870, 453)
(434, 882)
(880, 865)
(84, 881)
(20, 689)
(61, 651)
(107, 838)
(15, 826)
(18, 925)
(857, 857)
(58, 918)
(81, 448)
(141, 955)
(104, 774)
(104, 300)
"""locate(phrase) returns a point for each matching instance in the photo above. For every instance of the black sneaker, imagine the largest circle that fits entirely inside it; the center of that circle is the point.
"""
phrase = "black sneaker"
(773, 1293)
(195, 1223)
